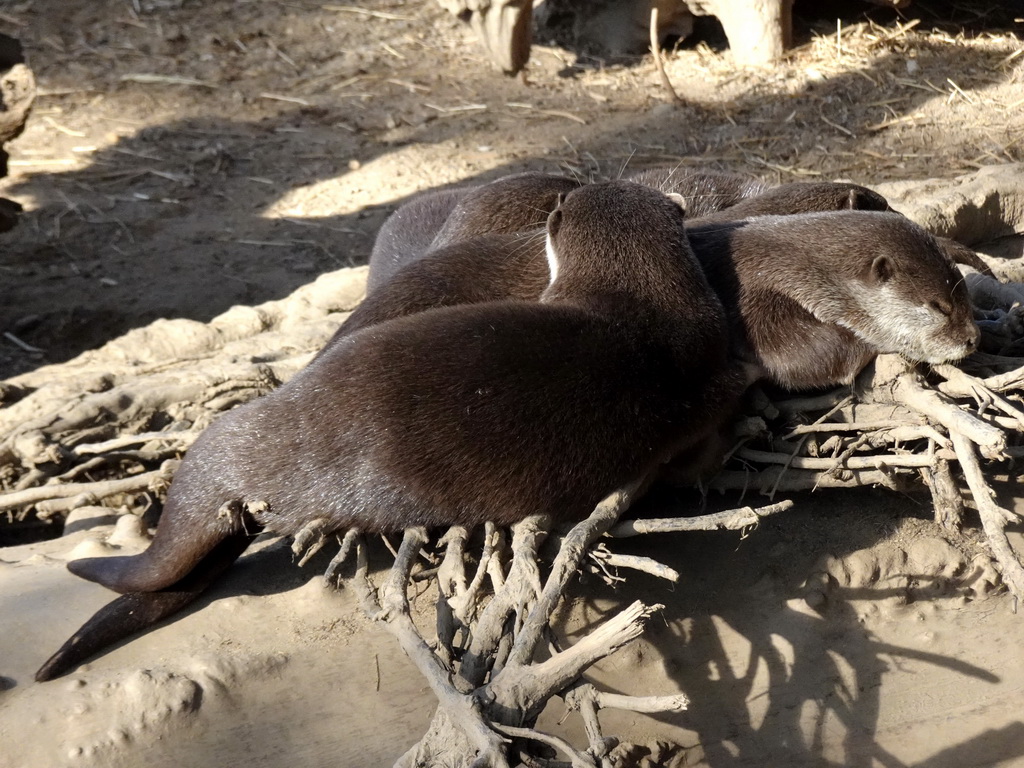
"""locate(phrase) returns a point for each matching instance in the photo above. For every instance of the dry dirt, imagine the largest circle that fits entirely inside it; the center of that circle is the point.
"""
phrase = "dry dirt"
(184, 157)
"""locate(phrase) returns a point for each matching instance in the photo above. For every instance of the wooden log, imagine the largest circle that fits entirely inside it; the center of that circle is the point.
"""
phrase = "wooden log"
(759, 31)
(505, 28)
(17, 92)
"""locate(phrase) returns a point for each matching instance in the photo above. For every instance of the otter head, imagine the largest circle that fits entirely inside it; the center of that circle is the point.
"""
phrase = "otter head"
(912, 299)
(612, 237)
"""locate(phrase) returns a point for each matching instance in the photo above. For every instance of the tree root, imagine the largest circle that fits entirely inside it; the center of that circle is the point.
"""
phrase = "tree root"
(86, 494)
(906, 425)
(730, 520)
(491, 685)
(156, 387)
(500, 688)
(391, 606)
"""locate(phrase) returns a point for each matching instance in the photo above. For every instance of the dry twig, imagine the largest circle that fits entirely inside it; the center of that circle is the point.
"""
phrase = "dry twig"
(499, 688)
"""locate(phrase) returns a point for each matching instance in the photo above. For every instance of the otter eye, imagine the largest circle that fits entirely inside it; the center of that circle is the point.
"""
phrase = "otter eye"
(943, 309)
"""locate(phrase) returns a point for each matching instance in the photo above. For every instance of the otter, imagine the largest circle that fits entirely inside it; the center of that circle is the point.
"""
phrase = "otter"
(508, 205)
(716, 196)
(472, 271)
(514, 204)
(704, 191)
(795, 198)
(804, 302)
(519, 204)
(712, 196)
(813, 298)
(411, 229)
(457, 415)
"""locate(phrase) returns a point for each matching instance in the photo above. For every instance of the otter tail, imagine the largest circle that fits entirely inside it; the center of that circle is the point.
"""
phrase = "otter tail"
(182, 540)
(137, 610)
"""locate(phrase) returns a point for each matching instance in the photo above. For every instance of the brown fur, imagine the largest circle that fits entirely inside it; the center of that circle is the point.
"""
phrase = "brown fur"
(961, 254)
(509, 205)
(705, 192)
(807, 294)
(410, 230)
(799, 197)
(472, 271)
(518, 204)
(135, 611)
(506, 206)
(458, 415)
(773, 326)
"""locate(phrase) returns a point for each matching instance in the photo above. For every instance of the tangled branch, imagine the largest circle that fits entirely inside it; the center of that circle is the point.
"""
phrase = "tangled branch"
(491, 684)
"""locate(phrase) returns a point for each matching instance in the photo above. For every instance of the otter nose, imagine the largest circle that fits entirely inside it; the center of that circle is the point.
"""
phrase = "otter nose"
(973, 338)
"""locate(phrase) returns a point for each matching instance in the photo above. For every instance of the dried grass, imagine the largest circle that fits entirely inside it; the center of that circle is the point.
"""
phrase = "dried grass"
(878, 85)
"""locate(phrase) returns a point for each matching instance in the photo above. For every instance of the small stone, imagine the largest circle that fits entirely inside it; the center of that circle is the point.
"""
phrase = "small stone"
(128, 529)
(85, 518)
(118, 736)
(815, 599)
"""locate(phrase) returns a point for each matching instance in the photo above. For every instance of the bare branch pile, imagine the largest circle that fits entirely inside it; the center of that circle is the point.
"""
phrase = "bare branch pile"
(102, 428)
(495, 662)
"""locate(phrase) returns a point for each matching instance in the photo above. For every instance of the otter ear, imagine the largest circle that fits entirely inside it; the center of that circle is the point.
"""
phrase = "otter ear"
(866, 200)
(882, 269)
(555, 219)
(679, 200)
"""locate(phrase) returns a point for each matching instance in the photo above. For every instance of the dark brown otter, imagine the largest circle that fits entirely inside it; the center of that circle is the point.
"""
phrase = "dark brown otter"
(715, 196)
(512, 204)
(457, 269)
(705, 191)
(777, 276)
(458, 415)
(410, 229)
(518, 204)
(813, 298)
(483, 268)
(798, 197)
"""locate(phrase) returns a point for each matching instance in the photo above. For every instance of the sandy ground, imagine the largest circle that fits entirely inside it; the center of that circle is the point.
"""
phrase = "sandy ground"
(186, 157)
(845, 635)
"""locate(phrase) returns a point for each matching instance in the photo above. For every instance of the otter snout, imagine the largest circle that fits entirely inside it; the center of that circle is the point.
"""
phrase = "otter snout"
(973, 338)
(968, 335)
(954, 343)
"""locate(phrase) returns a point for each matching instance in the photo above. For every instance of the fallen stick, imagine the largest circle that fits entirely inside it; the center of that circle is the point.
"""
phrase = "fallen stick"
(993, 517)
(730, 519)
(99, 489)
